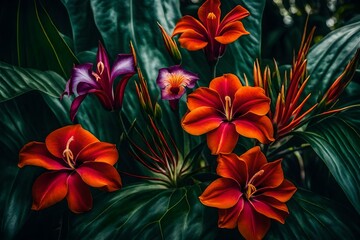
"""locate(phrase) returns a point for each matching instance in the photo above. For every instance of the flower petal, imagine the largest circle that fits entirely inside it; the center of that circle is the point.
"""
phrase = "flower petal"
(57, 140)
(79, 196)
(204, 97)
(253, 126)
(223, 139)
(48, 189)
(272, 176)
(230, 166)
(36, 154)
(192, 40)
(270, 207)
(99, 152)
(201, 120)
(75, 106)
(222, 193)
(120, 90)
(226, 85)
(254, 159)
(209, 6)
(251, 224)
(189, 23)
(228, 218)
(231, 32)
(100, 175)
(123, 65)
(235, 14)
(82, 80)
(282, 193)
(251, 99)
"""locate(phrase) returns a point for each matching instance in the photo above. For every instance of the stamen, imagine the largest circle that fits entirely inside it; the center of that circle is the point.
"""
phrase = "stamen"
(259, 173)
(211, 16)
(97, 77)
(228, 109)
(67, 153)
(100, 67)
(250, 188)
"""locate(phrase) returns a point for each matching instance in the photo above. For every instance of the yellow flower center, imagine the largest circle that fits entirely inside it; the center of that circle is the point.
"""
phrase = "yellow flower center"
(67, 153)
(228, 108)
(211, 16)
(175, 81)
(250, 188)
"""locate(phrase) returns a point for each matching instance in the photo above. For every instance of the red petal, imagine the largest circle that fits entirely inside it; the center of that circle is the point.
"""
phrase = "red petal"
(192, 40)
(36, 154)
(188, 23)
(235, 14)
(282, 193)
(49, 189)
(75, 106)
(99, 152)
(222, 193)
(201, 120)
(272, 176)
(79, 196)
(100, 175)
(223, 139)
(271, 208)
(204, 97)
(251, 224)
(231, 32)
(228, 218)
(209, 6)
(254, 159)
(57, 140)
(250, 99)
(253, 126)
(226, 85)
(230, 166)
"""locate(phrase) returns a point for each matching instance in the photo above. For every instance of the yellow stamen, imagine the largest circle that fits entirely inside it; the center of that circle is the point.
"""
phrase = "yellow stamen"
(100, 67)
(97, 77)
(228, 109)
(211, 16)
(250, 188)
(67, 153)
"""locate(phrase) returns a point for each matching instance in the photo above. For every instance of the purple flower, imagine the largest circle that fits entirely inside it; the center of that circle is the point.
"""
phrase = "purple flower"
(84, 81)
(173, 81)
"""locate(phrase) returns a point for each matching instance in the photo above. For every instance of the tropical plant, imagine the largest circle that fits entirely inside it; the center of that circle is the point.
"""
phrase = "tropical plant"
(156, 120)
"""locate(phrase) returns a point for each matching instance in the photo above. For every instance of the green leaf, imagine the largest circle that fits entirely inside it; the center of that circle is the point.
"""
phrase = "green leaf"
(22, 120)
(315, 217)
(33, 40)
(148, 211)
(328, 58)
(16, 81)
(337, 144)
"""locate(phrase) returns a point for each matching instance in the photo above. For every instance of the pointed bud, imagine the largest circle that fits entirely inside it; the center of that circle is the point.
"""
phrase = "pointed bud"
(171, 46)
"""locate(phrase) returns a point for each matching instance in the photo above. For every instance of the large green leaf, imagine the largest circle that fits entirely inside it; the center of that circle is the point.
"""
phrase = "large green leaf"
(22, 120)
(148, 211)
(328, 58)
(33, 40)
(316, 217)
(16, 81)
(337, 144)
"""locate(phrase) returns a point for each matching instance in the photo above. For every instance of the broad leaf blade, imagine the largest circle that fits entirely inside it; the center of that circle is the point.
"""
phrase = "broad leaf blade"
(337, 144)
(16, 81)
(148, 211)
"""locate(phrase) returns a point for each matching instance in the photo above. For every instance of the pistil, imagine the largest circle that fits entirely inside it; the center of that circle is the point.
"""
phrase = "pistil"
(67, 153)
(228, 109)
(250, 188)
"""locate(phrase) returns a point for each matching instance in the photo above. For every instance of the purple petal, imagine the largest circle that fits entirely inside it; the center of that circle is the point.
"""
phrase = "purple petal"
(75, 106)
(123, 65)
(82, 80)
(163, 79)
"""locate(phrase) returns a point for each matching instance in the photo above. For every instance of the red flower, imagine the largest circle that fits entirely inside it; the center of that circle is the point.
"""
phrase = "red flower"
(211, 33)
(249, 193)
(225, 110)
(76, 159)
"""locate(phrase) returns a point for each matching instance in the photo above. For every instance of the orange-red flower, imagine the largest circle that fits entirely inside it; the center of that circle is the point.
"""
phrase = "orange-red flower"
(249, 193)
(75, 158)
(225, 110)
(210, 33)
